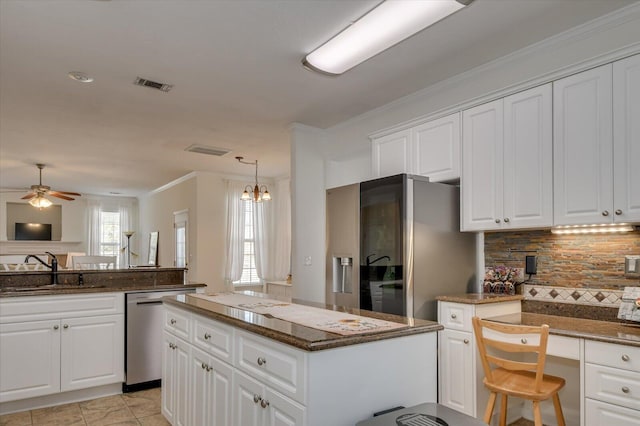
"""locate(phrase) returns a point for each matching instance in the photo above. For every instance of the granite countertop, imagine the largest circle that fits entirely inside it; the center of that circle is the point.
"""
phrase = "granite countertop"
(48, 290)
(479, 298)
(604, 331)
(296, 335)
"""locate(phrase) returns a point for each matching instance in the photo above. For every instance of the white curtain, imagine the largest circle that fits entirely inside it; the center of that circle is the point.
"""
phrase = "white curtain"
(235, 233)
(93, 227)
(128, 222)
(262, 230)
(282, 226)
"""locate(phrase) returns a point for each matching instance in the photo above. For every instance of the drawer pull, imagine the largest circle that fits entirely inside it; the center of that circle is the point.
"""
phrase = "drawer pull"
(605, 213)
(65, 326)
(264, 403)
(209, 368)
(466, 341)
(618, 212)
(173, 321)
(55, 327)
(261, 361)
(207, 336)
(256, 398)
(625, 389)
(204, 366)
(524, 341)
(454, 316)
(625, 357)
(172, 346)
(506, 220)
(497, 220)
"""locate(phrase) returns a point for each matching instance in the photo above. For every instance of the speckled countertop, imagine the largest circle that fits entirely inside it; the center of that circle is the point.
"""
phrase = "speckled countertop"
(479, 298)
(604, 331)
(296, 335)
(48, 290)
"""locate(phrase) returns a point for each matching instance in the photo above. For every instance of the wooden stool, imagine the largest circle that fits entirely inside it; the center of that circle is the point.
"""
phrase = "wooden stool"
(511, 377)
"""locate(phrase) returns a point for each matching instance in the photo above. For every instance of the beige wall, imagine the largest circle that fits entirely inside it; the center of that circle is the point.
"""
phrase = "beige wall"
(26, 213)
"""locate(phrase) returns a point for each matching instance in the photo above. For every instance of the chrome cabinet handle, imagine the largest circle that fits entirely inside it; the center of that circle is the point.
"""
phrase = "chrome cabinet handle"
(261, 360)
(204, 366)
(65, 326)
(172, 321)
(256, 398)
(618, 212)
(209, 368)
(605, 213)
(506, 220)
(207, 336)
(264, 403)
(523, 340)
(497, 220)
(172, 346)
(454, 316)
(466, 341)
(625, 389)
(55, 327)
(625, 357)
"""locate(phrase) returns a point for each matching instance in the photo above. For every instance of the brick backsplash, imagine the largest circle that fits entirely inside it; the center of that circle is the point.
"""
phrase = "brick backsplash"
(574, 261)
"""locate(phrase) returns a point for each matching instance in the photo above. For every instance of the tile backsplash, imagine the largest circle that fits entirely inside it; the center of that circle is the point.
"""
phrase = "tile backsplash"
(570, 261)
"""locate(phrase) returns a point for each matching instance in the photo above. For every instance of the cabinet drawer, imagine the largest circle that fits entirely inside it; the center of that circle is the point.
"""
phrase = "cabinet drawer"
(620, 387)
(213, 337)
(30, 308)
(600, 413)
(275, 364)
(564, 347)
(176, 321)
(456, 316)
(612, 355)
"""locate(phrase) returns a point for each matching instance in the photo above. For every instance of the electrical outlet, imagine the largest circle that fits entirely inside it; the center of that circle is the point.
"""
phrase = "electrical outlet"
(632, 266)
(307, 261)
(530, 265)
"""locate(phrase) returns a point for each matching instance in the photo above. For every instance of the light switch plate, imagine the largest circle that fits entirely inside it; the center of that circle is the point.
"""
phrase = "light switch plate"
(632, 265)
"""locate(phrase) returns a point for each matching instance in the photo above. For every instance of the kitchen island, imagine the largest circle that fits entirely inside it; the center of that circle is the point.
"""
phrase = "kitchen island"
(234, 360)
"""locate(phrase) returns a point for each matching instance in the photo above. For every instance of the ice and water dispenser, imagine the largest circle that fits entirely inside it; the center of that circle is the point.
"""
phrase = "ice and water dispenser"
(342, 274)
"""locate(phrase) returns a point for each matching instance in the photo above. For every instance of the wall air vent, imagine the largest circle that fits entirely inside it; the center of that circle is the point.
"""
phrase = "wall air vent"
(209, 150)
(152, 84)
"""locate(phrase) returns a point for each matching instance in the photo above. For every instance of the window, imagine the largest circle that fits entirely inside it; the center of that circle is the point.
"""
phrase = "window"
(109, 233)
(249, 271)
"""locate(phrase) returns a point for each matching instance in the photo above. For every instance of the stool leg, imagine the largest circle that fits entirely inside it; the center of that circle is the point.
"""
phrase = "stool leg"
(558, 408)
(490, 404)
(503, 410)
(537, 416)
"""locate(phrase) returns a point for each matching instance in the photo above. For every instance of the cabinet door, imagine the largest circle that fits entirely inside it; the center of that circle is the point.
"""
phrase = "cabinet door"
(392, 154)
(457, 376)
(437, 149)
(29, 359)
(528, 159)
(176, 356)
(583, 148)
(169, 385)
(599, 413)
(211, 384)
(281, 411)
(200, 414)
(626, 140)
(92, 351)
(247, 396)
(482, 167)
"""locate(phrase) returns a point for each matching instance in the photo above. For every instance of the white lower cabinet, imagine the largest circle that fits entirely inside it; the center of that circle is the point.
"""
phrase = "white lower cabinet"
(212, 387)
(176, 358)
(47, 347)
(599, 413)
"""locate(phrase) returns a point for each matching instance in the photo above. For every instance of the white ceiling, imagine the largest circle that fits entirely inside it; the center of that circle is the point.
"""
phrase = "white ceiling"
(238, 81)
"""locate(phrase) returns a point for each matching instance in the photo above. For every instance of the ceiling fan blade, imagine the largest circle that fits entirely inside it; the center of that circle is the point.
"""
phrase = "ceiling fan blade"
(28, 196)
(57, 194)
(68, 193)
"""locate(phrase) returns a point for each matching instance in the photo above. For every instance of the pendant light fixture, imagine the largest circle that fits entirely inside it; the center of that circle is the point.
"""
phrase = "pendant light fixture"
(386, 25)
(258, 193)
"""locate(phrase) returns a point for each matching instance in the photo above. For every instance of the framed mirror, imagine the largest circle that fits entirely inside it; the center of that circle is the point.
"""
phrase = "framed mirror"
(153, 248)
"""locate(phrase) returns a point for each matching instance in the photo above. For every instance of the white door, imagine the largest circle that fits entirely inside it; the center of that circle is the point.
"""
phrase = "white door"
(29, 359)
(583, 146)
(392, 154)
(437, 149)
(482, 167)
(528, 159)
(626, 140)
(247, 397)
(457, 377)
(92, 351)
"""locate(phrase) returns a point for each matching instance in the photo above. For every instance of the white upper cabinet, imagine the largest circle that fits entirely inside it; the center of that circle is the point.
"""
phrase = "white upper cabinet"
(507, 180)
(392, 154)
(626, 140)
(431, 149)
(436, 149)
(583, 148)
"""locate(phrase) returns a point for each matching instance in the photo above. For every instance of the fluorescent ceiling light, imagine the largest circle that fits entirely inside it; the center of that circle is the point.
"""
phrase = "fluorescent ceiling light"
(388, 24)
(592, 229)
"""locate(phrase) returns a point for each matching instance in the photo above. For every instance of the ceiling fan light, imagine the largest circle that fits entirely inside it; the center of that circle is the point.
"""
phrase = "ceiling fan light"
(40, 202)
(383, 27)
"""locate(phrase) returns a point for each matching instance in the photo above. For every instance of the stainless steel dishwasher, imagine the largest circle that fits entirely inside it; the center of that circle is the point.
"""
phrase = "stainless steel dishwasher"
(143, 349)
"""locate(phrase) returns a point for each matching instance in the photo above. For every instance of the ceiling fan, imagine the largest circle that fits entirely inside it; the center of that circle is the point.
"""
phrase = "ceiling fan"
(36, 197)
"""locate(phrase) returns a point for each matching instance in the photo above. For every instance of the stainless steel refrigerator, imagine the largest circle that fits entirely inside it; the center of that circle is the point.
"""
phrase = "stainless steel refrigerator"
(409, 248)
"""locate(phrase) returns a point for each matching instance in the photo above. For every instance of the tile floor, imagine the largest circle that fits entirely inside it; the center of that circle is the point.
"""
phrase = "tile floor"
(130, 409)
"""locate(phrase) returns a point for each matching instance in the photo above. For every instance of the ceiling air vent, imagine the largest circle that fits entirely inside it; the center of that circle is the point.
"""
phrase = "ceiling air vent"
(152, 84)
(209, 150)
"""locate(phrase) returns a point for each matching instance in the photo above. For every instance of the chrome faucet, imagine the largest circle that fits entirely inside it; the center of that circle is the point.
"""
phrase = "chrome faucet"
(53, 266)
(371, 262)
